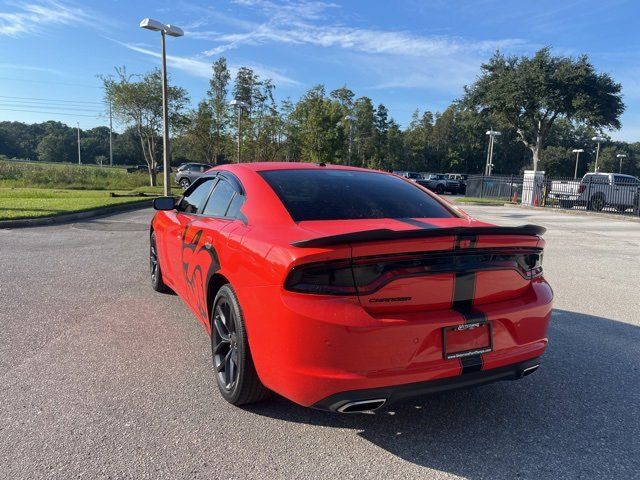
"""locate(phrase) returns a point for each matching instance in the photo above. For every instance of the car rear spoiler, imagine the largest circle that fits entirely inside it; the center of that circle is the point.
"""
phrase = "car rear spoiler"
(386, 234)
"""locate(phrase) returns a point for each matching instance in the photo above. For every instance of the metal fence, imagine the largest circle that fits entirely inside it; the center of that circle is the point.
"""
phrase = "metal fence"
(611, 193)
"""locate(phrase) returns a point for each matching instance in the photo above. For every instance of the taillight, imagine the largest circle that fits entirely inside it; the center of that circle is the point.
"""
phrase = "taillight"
(581, 188)
(329, 278)
(364, 276)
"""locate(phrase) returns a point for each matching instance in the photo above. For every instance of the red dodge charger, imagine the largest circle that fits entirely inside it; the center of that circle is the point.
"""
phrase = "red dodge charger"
(346, 289)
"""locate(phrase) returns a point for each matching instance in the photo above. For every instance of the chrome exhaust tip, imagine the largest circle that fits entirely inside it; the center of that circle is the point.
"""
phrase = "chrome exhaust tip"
(530, 370)
(362, 406)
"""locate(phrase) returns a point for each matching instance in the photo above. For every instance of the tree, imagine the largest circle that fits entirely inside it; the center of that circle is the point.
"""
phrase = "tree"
(58, 147)
(137, 101)
(530, 94)
(197, 142)
(217, 94)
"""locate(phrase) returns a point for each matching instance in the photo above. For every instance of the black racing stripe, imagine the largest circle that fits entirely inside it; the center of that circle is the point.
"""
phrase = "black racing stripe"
(463, 292)
(416, 223)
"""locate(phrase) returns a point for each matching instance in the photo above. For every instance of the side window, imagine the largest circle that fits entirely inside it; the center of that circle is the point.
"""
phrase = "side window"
(220, 199)
(195, 198)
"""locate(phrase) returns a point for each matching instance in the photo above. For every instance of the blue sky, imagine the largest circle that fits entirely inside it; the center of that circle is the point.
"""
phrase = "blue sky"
(403, 53)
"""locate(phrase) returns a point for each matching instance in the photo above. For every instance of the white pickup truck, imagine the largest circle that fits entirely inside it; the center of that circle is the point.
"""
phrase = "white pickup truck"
(597, 191)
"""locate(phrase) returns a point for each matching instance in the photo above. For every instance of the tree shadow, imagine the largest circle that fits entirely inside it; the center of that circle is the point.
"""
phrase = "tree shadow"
(576, 417)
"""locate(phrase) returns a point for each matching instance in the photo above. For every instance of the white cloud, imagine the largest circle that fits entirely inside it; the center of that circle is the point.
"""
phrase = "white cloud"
(31, 68)
(292, 22)
(33, 18)
(400, 59)
(201, 68)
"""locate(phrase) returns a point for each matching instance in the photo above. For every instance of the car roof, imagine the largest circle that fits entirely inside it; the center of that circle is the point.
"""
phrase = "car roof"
(264, 166)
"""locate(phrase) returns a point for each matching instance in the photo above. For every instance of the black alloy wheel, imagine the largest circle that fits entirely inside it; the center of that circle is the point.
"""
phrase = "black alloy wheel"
(154, 265)
(235, 373)
(225, 345)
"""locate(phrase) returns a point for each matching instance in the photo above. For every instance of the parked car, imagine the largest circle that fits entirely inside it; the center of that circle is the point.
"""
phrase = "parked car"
(337, 299)
(410, 175)
(596, 191)
(145, 168)
(440, 183)
(188, 172)
(137, 168)
(461, 179)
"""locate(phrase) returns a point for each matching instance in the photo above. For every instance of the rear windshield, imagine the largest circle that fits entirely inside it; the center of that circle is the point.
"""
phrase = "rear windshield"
(347, 194)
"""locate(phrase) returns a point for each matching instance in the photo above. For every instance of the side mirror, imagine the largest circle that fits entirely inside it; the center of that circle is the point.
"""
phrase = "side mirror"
(164, 203)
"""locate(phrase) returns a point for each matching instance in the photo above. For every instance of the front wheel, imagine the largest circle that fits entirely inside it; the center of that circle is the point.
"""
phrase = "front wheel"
(184, 183)
(235, 373)
(439, 189)
(156, 273)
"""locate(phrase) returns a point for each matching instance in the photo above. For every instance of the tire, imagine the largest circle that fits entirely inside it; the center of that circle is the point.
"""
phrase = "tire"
(596, 203)
(233, 366)
(184, 183)
(567, 204)
(440, 189)
(156, 273)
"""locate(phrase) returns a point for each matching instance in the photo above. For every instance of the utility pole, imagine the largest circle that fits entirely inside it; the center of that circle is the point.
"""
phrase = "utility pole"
(110, 136)
(79, 154)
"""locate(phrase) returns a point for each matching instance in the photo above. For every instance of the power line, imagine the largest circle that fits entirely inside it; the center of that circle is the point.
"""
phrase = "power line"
(29, 105)
(49, 82)
(51, 113)
(52, 100)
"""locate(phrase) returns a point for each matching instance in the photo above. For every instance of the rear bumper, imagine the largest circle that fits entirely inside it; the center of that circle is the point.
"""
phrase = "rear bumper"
(312, 349)
(395, 393)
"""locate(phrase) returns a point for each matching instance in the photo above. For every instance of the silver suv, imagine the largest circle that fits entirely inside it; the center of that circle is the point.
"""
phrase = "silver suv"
(188, 172)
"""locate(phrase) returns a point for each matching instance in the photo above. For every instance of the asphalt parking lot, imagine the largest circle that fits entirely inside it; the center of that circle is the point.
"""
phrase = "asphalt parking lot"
(102, 377)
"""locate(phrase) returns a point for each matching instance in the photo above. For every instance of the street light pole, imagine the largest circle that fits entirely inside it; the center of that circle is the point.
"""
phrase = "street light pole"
(621, 156)
(489, 167)
(172, 31)
(598, 138)
(165, 121)
(350, 119)
(239, 105)
(577, 151)
(110, 136)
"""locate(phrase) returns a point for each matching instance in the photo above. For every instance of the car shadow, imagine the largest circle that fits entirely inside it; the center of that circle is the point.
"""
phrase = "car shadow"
(578, 416)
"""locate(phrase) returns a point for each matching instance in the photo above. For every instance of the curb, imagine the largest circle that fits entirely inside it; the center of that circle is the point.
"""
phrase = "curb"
(584, 213)
(71, 217)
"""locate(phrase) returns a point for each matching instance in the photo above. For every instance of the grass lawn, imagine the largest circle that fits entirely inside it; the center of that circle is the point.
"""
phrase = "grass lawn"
(484, 201)
(17, 203)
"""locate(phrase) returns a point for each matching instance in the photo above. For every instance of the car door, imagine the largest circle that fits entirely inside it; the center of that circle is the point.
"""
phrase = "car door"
(205, 243)
(186, 211)
(625, 189)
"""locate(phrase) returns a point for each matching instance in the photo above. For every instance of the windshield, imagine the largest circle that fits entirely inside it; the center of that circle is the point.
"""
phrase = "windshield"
(346, 194)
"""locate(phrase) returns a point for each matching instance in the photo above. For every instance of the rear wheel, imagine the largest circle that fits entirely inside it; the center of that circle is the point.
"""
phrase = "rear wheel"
(184, 183)
(596, 203)
(156, 274)
(235, 373)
